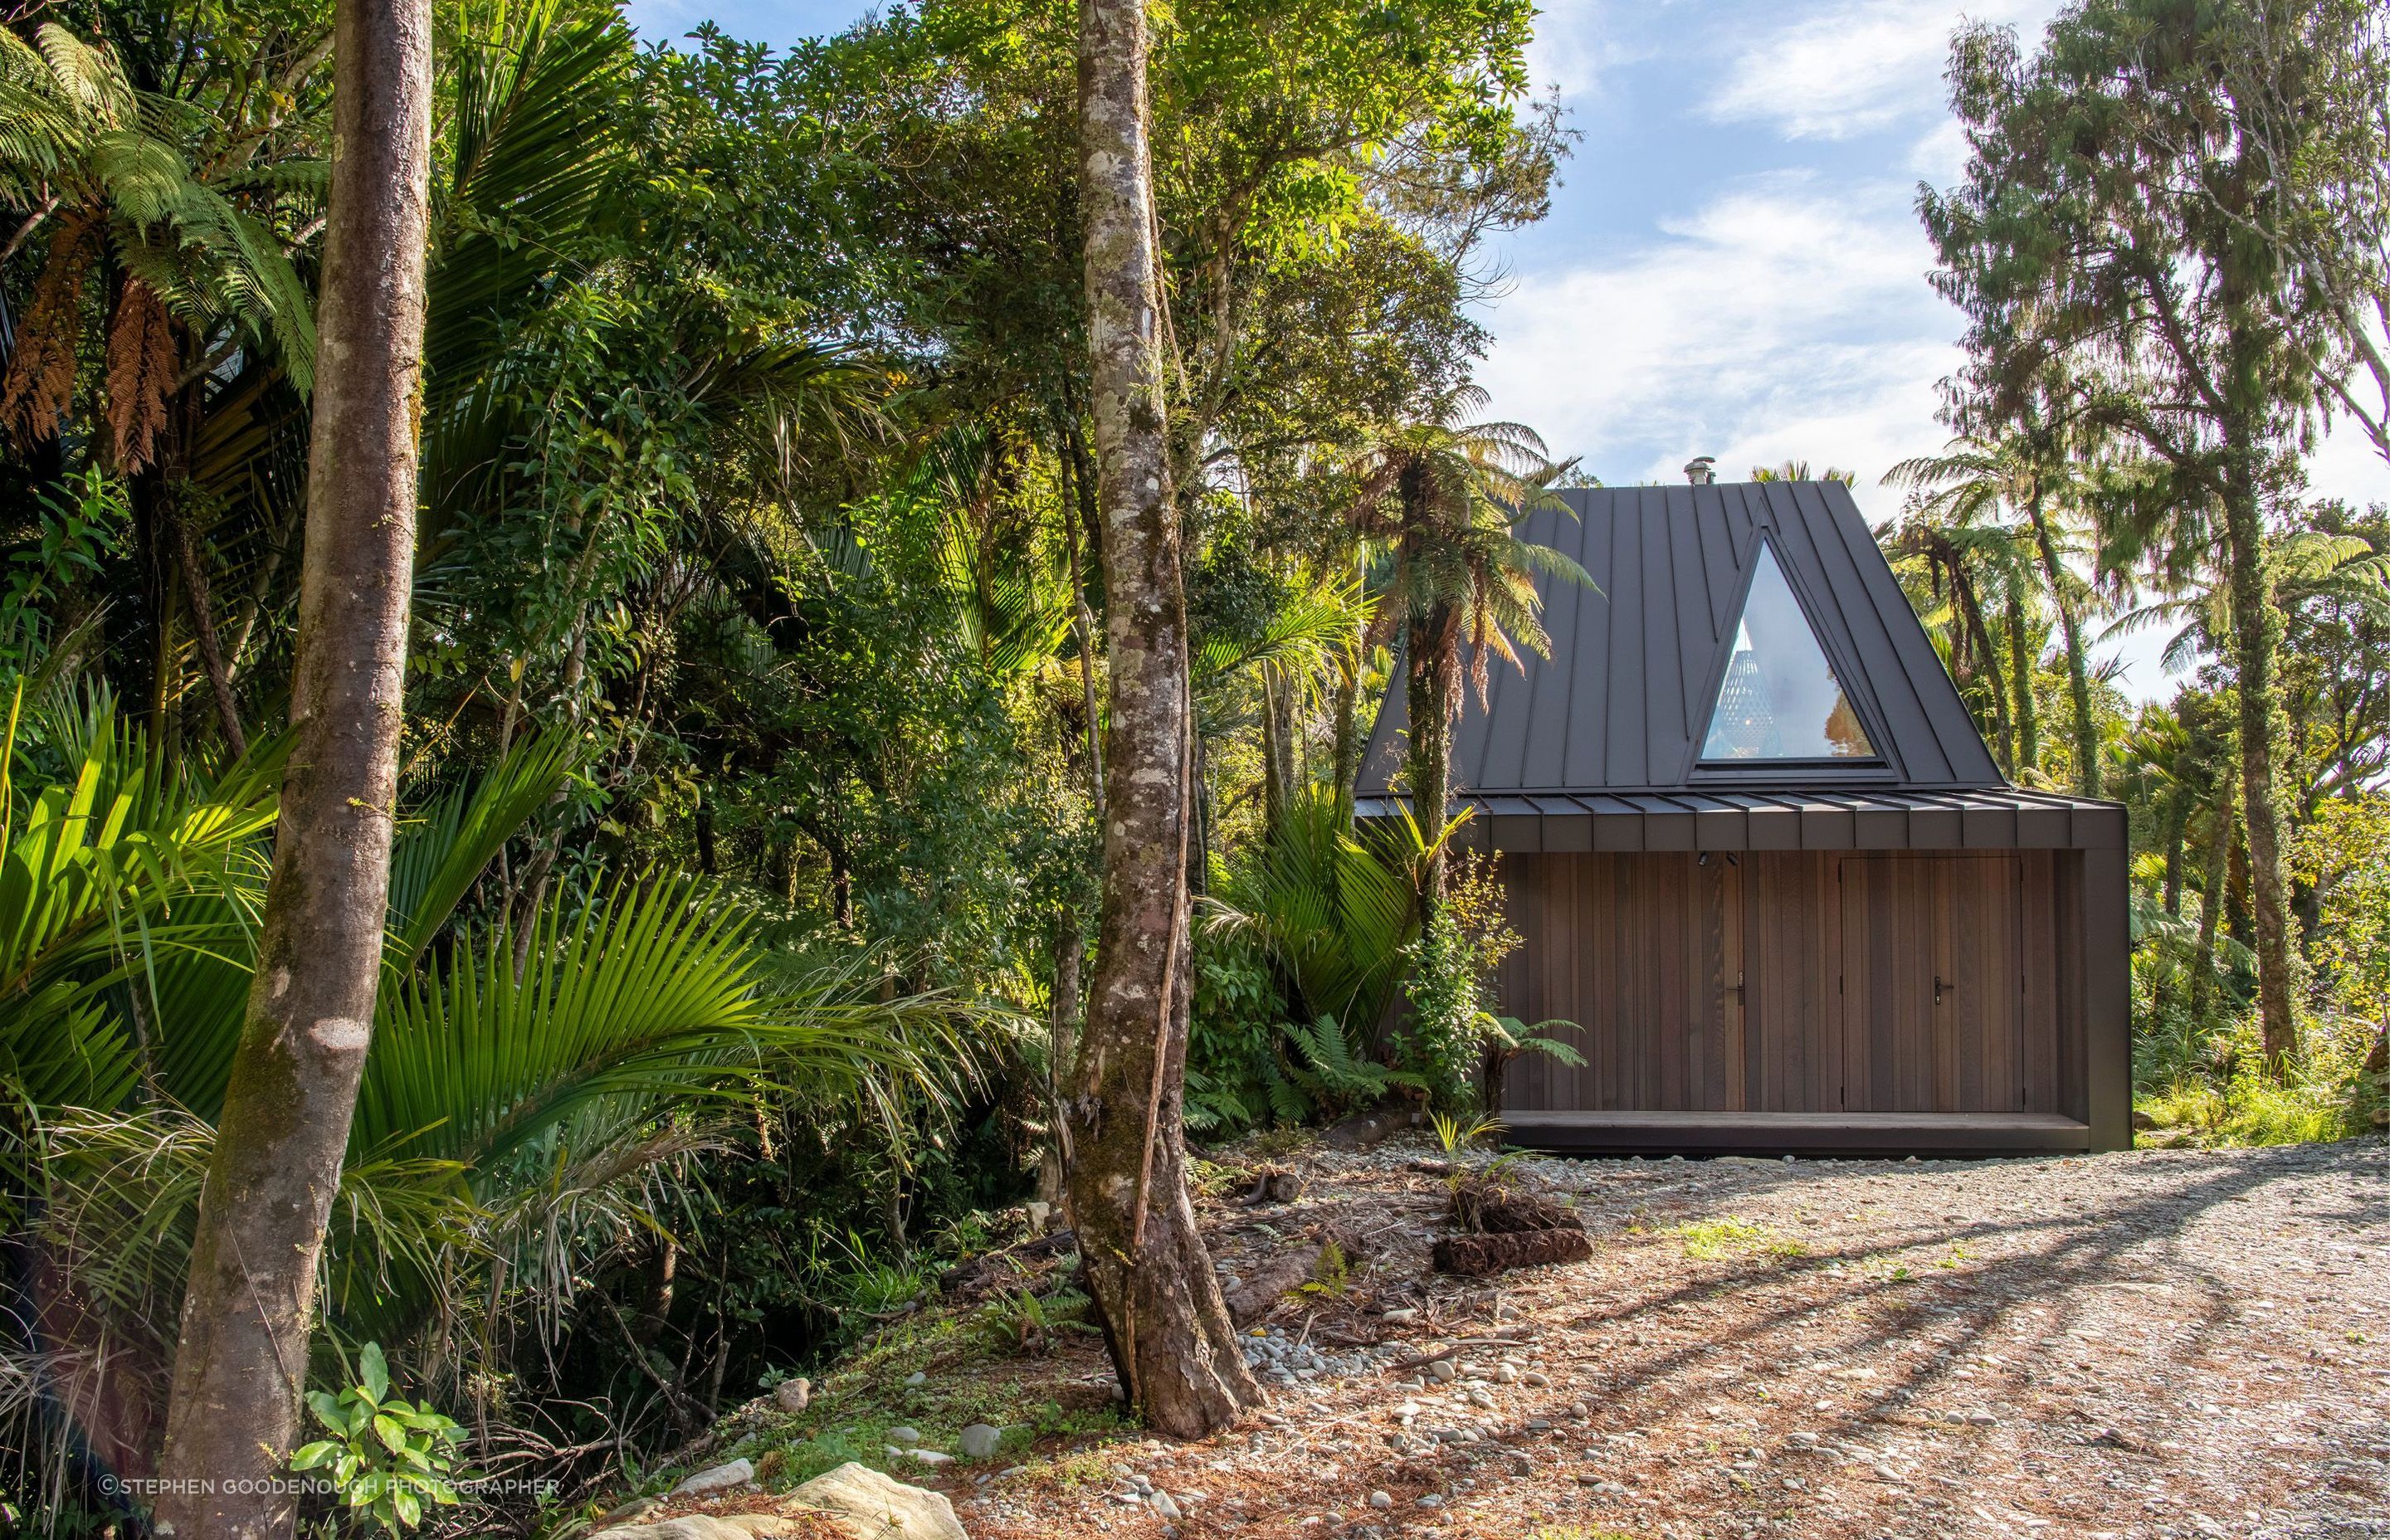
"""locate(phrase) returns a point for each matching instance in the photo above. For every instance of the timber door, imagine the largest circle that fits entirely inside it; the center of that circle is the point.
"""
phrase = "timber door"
(1933, 985)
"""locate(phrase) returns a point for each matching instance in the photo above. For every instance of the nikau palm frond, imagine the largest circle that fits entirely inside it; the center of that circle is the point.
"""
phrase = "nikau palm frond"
(501, 1112)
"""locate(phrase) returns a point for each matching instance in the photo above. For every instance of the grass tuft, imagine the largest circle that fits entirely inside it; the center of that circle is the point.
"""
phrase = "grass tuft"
(1713, 1239)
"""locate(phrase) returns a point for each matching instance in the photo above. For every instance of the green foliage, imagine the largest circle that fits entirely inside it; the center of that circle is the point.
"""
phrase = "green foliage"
(80, 526)
(1021, 1320)
(1455, 1135)
(1311, 922)
(388, 1458)
(1329, 910)
(1333, 1073)
(1453, 1040)
(1442, 1042)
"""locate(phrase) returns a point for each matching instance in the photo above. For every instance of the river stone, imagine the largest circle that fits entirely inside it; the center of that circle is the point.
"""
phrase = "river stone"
(870, 1506)
(979, 1441)
(703, 1526)
(718, 1478)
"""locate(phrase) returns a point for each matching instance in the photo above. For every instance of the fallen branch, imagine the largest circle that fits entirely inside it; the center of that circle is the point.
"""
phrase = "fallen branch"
(1287, 1271)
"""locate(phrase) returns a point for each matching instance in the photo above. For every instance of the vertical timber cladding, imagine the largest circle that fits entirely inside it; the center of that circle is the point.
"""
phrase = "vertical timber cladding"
(1799, 981)
(1643, 953)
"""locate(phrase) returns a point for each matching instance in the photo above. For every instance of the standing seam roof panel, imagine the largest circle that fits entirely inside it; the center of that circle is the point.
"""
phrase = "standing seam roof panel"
(1624, 702)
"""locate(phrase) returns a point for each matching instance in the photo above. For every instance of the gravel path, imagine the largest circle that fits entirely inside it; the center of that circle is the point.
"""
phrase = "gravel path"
(2159, 1345)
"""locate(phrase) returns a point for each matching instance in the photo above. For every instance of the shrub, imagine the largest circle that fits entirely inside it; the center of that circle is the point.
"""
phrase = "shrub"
(1454, 1043)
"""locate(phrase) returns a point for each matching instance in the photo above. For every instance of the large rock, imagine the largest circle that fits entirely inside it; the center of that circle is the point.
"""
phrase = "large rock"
(729, 1526)
(870, 1506)
(719, 1478)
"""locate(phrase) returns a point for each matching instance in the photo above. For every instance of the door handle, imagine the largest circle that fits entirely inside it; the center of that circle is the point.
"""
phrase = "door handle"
(1939, 986)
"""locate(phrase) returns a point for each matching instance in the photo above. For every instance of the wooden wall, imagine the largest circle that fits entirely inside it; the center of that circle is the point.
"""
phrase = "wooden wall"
(1801, 980)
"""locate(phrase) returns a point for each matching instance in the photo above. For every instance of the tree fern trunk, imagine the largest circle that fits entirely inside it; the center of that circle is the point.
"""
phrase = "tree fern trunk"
(2257, 638)
(2029, 711)
(2211, 906)
(1431, 685)
(2078, 673)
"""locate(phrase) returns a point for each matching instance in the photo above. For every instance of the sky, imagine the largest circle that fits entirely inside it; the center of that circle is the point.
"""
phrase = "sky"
(1733, 264)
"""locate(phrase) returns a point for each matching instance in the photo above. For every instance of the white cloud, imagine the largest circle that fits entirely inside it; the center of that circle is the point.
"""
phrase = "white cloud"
(1578, 44)
(1854, 66)
(1780, 320)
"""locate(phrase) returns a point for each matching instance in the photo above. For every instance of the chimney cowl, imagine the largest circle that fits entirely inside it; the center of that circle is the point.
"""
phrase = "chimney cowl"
(1701, 470)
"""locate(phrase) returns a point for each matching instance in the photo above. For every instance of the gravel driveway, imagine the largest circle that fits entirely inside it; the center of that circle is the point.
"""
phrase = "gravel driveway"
(2160, 1344)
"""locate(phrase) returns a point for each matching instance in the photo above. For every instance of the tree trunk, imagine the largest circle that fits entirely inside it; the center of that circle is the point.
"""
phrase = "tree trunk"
(1348, 742)
(171, 502)
(709, 859)
(2211, 902)
(2177, 824)
(1431, 688)
(2256, 634)
(2078, 673)
(249, 1308)
(1962, 591)
(1063, 1041)
(1143, 1259)
(1083, 629)
(1278, 752)
(2028, 708)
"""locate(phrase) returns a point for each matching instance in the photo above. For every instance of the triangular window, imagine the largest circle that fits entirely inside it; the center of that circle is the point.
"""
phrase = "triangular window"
(1779, 699)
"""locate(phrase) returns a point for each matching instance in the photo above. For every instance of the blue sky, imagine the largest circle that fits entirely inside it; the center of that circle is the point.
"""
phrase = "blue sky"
(1733, 264)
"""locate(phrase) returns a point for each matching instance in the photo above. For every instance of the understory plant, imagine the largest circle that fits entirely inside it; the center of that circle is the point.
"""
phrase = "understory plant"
(1453, 1041)
(2335, 1089)
(1299, 957)
(388, 1458)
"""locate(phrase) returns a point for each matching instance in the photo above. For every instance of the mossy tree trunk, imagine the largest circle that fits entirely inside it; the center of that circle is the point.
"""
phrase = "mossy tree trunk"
(2078, 668)
(1986, 662)
(1347, 747)
(2177, 830)
(2257, 640)
(1431, 690)
(249, 1308)
(1431, 684)
(1142, 1257)
(2028, 707)
(2214, 880)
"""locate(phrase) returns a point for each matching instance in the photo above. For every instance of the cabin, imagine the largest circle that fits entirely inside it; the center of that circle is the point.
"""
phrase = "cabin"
(1760, 855)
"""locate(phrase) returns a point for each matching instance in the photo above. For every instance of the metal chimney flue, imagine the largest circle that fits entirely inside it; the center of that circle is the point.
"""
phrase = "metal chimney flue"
(1701, 470)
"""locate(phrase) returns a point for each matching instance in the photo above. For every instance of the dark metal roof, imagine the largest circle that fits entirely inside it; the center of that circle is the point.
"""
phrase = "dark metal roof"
(1622, 705)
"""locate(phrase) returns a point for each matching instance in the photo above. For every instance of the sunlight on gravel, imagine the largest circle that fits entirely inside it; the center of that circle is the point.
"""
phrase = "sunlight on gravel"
(2156, 1346)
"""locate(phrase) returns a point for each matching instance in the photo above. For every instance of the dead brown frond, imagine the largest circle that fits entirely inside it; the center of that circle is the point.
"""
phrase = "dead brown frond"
(41, 380)
(143, 361)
